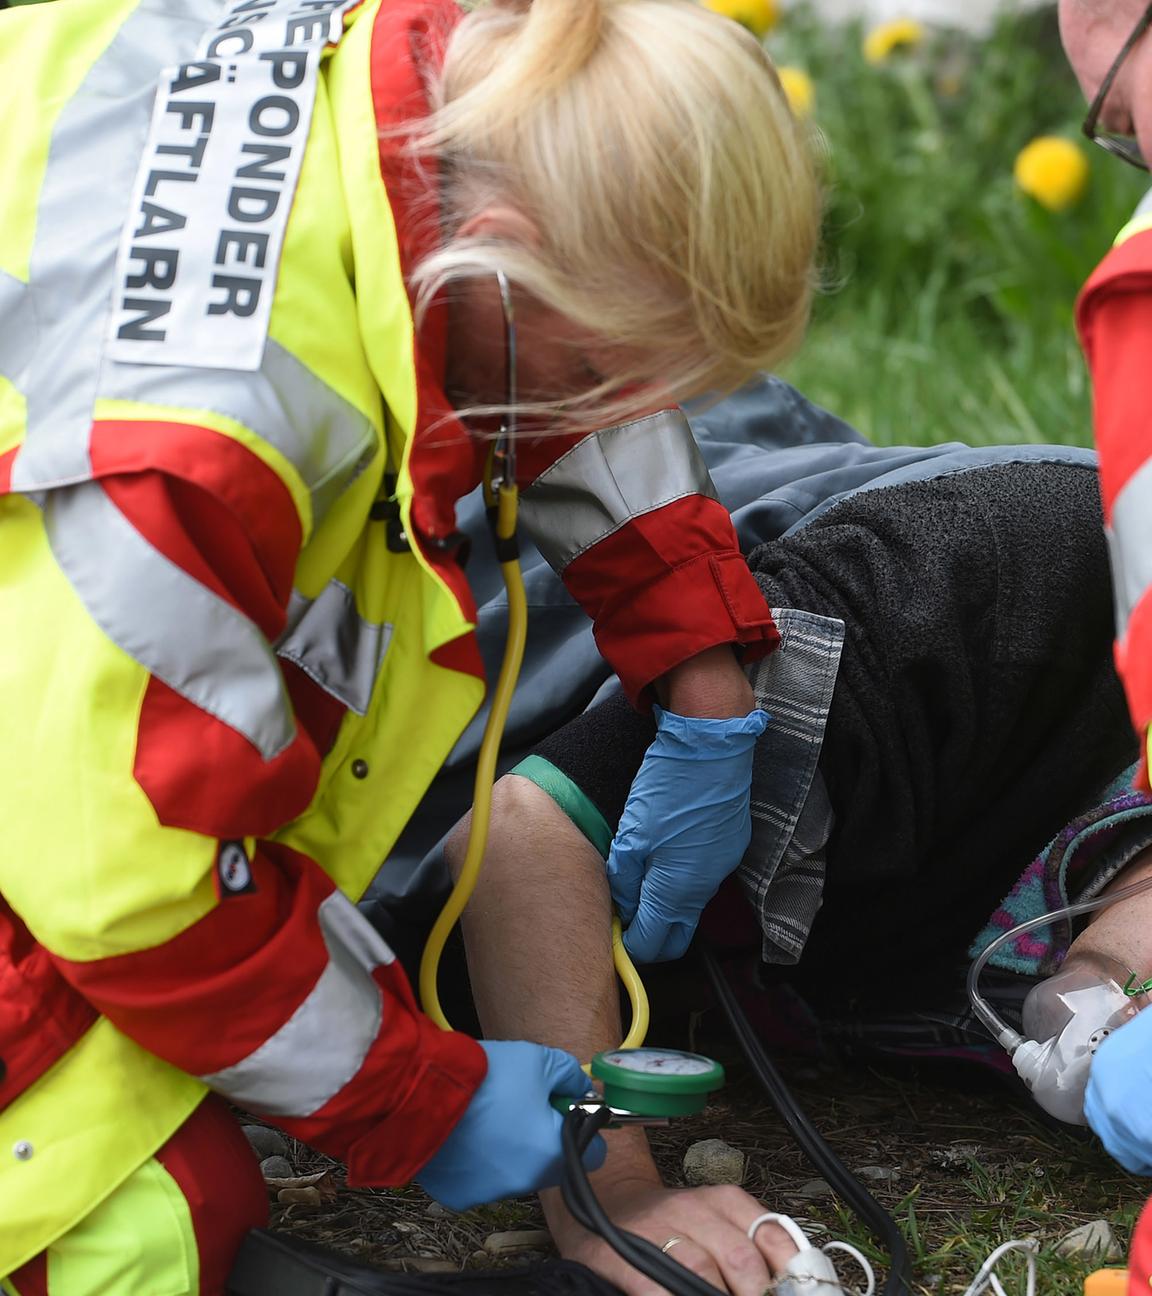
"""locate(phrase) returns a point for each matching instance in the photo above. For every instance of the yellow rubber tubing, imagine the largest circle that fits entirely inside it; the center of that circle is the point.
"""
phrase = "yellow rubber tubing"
(506, 508)
(506, 504)
(637, 995)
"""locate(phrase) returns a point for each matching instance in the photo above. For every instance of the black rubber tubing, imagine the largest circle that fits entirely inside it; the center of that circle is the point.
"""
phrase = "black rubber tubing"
(811, 1142)
(580, 1198)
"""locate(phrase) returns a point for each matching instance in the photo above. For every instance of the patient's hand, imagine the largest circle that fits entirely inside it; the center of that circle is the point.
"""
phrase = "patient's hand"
(712, 1221)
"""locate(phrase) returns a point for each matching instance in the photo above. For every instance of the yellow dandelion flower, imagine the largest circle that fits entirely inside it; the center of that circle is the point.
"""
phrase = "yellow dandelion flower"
(884, 40)
(1052, 170)
(759, 16)
(798, 89)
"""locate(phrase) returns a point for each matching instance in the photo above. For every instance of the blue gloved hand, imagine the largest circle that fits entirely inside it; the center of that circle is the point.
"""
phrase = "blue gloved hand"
(508, 1140)
(1116, 1102)
(685, 827)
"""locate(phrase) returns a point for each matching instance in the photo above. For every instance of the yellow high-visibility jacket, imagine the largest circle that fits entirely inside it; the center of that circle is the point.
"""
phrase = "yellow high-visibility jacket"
(215, 668)
(235, 636)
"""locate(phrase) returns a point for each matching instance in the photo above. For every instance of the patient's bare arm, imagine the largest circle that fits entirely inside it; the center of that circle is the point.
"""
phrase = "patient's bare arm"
(538, 939)
(1123, 931)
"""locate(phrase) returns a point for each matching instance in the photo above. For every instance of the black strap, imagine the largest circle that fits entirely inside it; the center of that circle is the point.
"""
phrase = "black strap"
(507, 550)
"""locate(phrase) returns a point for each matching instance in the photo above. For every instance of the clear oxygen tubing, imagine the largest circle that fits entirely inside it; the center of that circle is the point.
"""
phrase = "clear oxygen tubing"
(1004, 1035)
(502, 498)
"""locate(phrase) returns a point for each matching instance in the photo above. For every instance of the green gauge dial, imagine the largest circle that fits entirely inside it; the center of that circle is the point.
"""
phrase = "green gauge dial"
(656, 1081)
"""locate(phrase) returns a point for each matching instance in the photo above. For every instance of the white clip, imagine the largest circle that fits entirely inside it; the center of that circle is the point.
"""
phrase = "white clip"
(810, 1272)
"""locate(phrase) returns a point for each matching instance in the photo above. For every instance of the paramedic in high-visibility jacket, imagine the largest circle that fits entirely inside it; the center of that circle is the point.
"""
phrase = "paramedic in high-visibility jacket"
(1110, 49)
(251, 349)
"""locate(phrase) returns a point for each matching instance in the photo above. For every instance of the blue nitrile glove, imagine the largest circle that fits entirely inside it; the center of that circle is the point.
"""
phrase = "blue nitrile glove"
(508, 1140)
(685, 827)
(1116, 1102)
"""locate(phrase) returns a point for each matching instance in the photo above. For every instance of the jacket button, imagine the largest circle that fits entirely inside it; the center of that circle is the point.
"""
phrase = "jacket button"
(23, 1150)
(360, 769)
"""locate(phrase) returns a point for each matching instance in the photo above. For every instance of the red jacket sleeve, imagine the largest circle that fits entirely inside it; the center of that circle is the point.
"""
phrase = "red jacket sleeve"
(1114, 315)
(284, 999)
(629, 518)
(257, 974)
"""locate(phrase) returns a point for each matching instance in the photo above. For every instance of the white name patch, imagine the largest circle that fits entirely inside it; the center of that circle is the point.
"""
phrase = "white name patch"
(200, 251)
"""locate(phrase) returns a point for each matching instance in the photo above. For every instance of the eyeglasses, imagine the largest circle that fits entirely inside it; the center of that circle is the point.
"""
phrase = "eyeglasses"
(1121, 146)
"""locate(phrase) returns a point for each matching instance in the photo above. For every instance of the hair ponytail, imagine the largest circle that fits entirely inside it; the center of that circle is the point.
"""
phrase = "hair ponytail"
(508, 56)
(558, 38)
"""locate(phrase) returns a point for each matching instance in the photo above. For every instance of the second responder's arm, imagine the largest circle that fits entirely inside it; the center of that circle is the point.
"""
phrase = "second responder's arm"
(687, 822)
(629, 518)
(711, 684)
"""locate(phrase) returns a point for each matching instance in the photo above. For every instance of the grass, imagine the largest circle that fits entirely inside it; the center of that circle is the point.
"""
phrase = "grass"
(971, 1166)
(947, 311)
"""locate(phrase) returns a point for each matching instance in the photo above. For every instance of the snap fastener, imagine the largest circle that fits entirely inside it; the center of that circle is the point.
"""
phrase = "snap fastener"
(23, 1150)
(360, 769)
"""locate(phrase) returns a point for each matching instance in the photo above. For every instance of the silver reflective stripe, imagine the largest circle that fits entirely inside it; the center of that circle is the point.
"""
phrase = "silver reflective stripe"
(608, 479)
(287, 405)
(17, 329)
(325, 1041)
(11, 292)
(1130, 544)
(84, 203)
(329, 640)
(171, 624)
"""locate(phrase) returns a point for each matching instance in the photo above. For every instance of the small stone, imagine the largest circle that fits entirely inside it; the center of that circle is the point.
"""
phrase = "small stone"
(878, 1174)
(435, 1211)
(323, 1181)
(517, 1240)
(1094, 1239)
(276, 1167)
(712, 1161)
(299, 1197)
(479, 1258)
(812, 1227)
(955, 1157)
(813, 1190)
(266, 1142)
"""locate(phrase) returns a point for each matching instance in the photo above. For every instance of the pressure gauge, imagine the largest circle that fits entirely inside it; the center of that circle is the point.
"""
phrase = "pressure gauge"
(657, 1081)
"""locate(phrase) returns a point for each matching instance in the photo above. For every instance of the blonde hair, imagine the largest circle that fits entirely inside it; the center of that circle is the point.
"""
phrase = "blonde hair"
(676, 196)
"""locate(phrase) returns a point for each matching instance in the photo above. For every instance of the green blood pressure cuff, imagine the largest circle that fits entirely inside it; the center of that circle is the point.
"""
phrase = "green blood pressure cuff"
(570, 798)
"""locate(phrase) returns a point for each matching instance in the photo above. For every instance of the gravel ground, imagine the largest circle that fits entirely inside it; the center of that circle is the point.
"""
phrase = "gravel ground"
(960, 1160)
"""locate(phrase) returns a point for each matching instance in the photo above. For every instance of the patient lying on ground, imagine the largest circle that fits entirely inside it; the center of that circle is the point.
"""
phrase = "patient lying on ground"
(947, 755)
